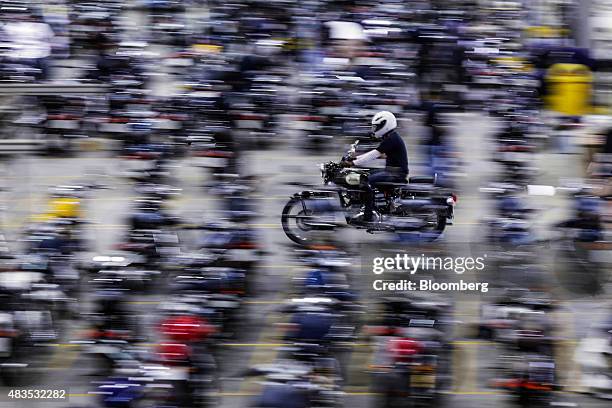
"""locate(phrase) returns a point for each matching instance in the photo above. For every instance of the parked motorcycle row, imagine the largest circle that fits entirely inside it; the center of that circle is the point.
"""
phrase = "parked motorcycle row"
(203, 270)
(41, 284)
(560, 262)
(520, 320)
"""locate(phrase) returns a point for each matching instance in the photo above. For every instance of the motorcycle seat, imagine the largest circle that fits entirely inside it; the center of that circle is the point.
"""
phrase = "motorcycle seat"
(388, 186)
(422, 180)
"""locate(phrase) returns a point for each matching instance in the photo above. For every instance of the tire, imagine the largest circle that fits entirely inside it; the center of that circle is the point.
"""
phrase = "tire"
(286, 219)
(10, 377)
(438, 230)
(302, 227)
(433, 233)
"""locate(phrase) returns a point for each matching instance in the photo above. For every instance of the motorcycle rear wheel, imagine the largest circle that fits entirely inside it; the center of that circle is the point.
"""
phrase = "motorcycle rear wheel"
(434, 229)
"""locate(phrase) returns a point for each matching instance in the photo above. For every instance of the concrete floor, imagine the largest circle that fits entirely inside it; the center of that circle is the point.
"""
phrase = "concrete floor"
(28, 179)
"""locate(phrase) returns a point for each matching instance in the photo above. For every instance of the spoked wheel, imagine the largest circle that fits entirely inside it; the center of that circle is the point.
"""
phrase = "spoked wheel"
(298, 222)
(435, 223)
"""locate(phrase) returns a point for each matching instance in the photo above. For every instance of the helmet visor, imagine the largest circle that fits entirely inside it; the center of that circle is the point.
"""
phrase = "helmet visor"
(377, 126)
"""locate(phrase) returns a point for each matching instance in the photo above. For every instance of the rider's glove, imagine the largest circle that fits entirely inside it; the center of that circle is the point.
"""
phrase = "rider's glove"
(346, 163)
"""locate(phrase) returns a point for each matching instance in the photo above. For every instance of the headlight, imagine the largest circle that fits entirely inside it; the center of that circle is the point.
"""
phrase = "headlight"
(322, 166)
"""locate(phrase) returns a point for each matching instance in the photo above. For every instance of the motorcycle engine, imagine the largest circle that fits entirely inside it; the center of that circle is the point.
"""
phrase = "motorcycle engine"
(353, 179)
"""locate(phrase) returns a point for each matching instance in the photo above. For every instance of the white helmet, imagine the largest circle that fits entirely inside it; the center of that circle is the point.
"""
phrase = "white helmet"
(382, 123)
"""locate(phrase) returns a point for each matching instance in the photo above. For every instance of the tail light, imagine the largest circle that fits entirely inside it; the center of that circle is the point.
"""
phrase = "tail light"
(402, 348)
(323, 247)
(187, 328)
(287, 327)
(62, 117)
(130, 246)
(140, 156)
(8, 333)
(452, 200)
(118, 120)
(331, 102)
(232, 292)
(379, 330)
(312, 118)
(213, 153)
(244, 245)
(530, 385)
(116, 334)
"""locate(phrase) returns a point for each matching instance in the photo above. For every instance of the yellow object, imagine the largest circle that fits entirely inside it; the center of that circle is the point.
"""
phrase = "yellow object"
(517, 64)
(569, 89)
(207, 48)
(61, 208)
(546, 32)
(66, 207)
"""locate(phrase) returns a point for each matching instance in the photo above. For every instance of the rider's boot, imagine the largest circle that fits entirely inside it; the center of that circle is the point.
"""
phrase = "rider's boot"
(365, 219)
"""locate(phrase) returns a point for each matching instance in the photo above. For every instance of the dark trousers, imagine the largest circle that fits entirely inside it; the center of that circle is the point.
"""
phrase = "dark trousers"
(383, 176)
(40, 63)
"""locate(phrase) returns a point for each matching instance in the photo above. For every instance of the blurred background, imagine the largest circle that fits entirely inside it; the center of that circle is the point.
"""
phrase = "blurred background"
(148, 149)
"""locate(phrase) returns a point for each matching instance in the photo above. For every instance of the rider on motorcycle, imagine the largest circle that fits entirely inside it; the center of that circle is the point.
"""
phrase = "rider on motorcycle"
(392, 147)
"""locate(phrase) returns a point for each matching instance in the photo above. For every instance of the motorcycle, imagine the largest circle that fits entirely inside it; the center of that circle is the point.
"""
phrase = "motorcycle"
(531, 380)
(62, 124)
(412, 362)
(293, 383)
(27, 326)
(419, 206)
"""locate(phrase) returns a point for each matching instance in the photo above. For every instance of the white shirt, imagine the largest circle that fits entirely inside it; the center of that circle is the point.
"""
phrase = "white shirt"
(29, 39)
(367, 157)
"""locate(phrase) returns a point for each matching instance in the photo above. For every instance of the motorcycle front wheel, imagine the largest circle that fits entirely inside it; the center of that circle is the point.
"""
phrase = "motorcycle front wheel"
(299, 222)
